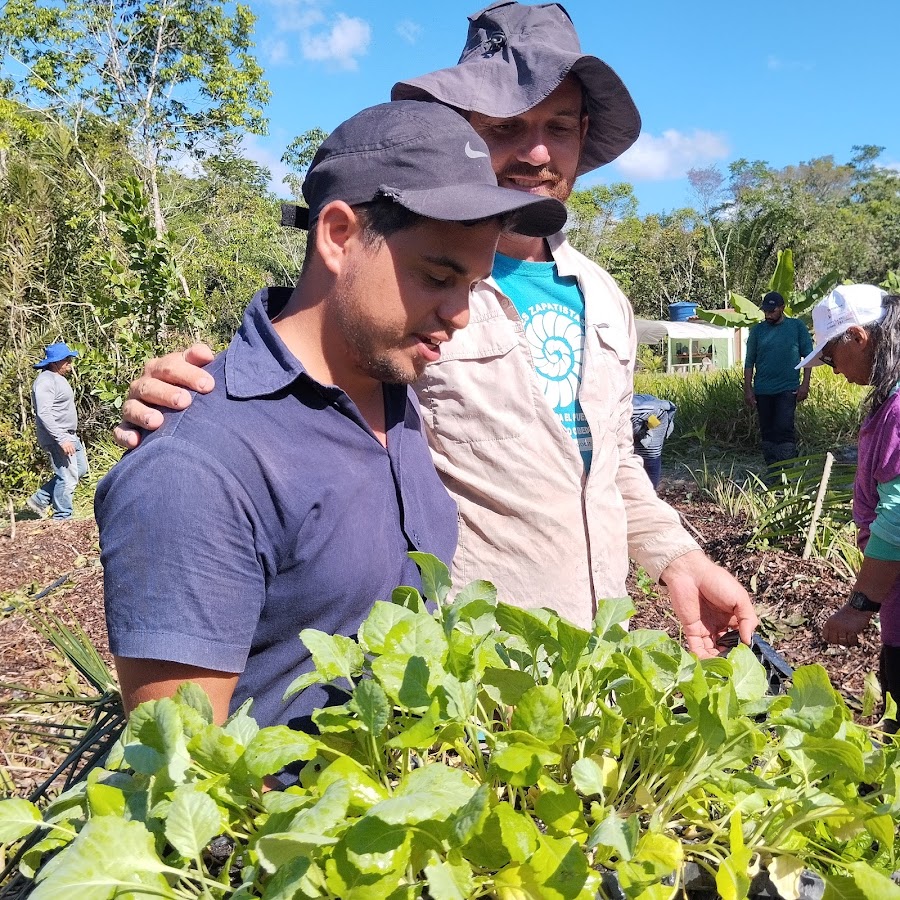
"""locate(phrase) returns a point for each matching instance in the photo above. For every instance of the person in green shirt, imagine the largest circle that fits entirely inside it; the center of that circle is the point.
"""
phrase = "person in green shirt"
(774, 349)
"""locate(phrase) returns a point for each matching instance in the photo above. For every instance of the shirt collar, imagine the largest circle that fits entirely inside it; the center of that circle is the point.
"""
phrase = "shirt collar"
(257, 362)
(561, 250)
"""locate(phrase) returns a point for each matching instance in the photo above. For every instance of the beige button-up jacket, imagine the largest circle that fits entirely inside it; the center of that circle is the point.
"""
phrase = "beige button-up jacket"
(530, 520)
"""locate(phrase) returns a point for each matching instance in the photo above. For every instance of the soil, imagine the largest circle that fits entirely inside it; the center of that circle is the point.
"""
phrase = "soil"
(793, 598)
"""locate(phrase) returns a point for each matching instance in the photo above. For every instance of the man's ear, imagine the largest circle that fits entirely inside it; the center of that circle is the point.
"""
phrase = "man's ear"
(336, 228)
(585, 123)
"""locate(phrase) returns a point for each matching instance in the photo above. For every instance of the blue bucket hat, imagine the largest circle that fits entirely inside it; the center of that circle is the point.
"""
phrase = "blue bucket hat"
(516, 56)
(55, 353)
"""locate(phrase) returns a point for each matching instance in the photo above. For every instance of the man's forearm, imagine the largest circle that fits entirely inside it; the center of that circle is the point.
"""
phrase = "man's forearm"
(153, 679)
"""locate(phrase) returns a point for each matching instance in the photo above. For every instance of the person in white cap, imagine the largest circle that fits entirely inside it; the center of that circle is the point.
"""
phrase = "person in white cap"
(528, 413)
(857, 333)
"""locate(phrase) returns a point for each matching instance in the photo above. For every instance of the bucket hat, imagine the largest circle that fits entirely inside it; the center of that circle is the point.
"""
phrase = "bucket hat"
(55, 353)
(425, 157)
(515, 56)
(847, 305)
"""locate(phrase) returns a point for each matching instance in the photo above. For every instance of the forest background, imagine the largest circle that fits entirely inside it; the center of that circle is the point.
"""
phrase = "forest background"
(107, 243)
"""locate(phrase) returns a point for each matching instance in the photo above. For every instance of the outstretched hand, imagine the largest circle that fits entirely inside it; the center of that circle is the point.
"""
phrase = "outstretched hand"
(162, 385)
(708, 601)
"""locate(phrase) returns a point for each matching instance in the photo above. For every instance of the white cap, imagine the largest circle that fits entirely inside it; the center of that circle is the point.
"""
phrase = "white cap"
(849, 304)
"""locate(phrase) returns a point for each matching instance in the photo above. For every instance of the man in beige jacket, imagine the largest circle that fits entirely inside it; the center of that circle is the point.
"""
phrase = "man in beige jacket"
(528, 410)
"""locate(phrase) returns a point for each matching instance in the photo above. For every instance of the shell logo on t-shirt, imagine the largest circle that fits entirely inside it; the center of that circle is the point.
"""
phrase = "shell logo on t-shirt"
(556, 340)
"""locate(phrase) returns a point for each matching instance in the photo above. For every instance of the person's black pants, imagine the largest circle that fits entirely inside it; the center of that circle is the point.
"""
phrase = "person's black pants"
(776, 425)
(890, 681)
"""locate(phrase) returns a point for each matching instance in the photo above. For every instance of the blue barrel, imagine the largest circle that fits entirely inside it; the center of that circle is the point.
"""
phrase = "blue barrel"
(681, 311)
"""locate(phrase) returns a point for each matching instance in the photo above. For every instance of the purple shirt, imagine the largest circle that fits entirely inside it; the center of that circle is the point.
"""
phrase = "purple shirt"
(879, 463)
(266, 507)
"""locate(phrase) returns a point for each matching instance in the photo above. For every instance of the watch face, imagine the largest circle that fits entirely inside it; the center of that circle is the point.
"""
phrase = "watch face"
(858, 600)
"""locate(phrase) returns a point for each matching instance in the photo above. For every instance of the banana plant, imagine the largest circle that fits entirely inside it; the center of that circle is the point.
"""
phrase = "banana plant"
(744, 313)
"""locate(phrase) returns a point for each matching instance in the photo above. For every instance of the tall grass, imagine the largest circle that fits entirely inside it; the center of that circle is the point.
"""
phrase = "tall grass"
(712, 412)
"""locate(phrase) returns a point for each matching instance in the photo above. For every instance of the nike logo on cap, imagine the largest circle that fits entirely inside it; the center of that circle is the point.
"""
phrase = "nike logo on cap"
(474, 154)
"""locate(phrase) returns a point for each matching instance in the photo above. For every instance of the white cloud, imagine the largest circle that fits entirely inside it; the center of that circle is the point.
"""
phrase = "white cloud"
(893, 166)
(338, 40)
(410, 31)
(342, 45)
(296, 15)
(274, 51)
(671, 155)
(777, 64)
(253, 150)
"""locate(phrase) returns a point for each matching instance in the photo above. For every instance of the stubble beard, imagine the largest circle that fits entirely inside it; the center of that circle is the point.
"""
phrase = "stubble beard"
(373, 352)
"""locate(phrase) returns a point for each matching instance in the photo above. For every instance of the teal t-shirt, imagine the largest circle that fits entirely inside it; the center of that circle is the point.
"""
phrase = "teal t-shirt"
(775, 351)
(552, 311)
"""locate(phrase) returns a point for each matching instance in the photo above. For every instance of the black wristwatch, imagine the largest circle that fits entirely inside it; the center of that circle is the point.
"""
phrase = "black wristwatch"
(858, 600)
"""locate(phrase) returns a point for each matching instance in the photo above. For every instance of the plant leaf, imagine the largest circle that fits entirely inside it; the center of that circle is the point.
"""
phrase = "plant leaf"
(334, 655)
(378, 624)
(435, 576)
(610, 613)
(275, 747)
(192, 821)
(449, 881)
(87, 870)
(370, 701)
(18, 818)
(540, 713)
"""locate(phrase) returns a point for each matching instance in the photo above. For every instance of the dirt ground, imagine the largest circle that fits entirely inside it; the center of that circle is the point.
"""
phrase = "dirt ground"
(793, 599)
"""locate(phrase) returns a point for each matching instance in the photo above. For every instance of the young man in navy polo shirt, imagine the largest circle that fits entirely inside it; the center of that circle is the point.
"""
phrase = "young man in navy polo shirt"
(290, 496)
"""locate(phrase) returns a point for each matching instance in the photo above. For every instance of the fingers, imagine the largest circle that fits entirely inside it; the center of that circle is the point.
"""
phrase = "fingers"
(834, 633)
(699, 640)
(199, 355)
(126, 437)
(178, 369)
(747, 622)
(145, 392)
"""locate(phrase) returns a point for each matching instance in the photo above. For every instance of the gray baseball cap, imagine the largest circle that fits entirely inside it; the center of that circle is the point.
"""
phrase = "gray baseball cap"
(515, 56)
(427, 158)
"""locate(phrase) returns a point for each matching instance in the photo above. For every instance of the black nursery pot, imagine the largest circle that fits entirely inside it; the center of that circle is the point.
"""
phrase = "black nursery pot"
(698, 884)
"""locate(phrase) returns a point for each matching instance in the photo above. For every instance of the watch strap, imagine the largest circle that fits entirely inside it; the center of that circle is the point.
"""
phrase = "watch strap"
(859, 600)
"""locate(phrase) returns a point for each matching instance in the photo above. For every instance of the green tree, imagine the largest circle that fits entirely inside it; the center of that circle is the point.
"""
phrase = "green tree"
(299, 155)
(175, 75)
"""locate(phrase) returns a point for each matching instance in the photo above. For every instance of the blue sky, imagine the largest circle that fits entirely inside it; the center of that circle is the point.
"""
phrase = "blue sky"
(714, 81)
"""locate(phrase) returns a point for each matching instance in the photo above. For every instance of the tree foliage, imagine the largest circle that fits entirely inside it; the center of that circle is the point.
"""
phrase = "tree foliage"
(174, 75)
(108, 240)
(841, 218)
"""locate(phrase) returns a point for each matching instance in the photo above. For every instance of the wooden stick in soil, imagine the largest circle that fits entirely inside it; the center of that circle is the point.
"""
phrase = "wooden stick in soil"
(817, 510)
(12, 520)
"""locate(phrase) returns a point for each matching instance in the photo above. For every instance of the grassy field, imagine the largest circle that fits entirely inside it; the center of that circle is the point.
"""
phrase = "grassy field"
(712, 416)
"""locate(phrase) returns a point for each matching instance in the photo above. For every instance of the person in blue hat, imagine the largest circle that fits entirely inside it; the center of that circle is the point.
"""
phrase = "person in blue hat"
(57, 424)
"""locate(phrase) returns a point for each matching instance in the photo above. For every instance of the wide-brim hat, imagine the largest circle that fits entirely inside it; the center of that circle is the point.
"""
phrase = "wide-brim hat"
(845, 306)
(424, 157)
(55, 353)
(516, 56)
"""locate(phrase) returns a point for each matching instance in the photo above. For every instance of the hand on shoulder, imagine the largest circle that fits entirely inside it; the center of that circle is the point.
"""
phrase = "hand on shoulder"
(165, 383)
